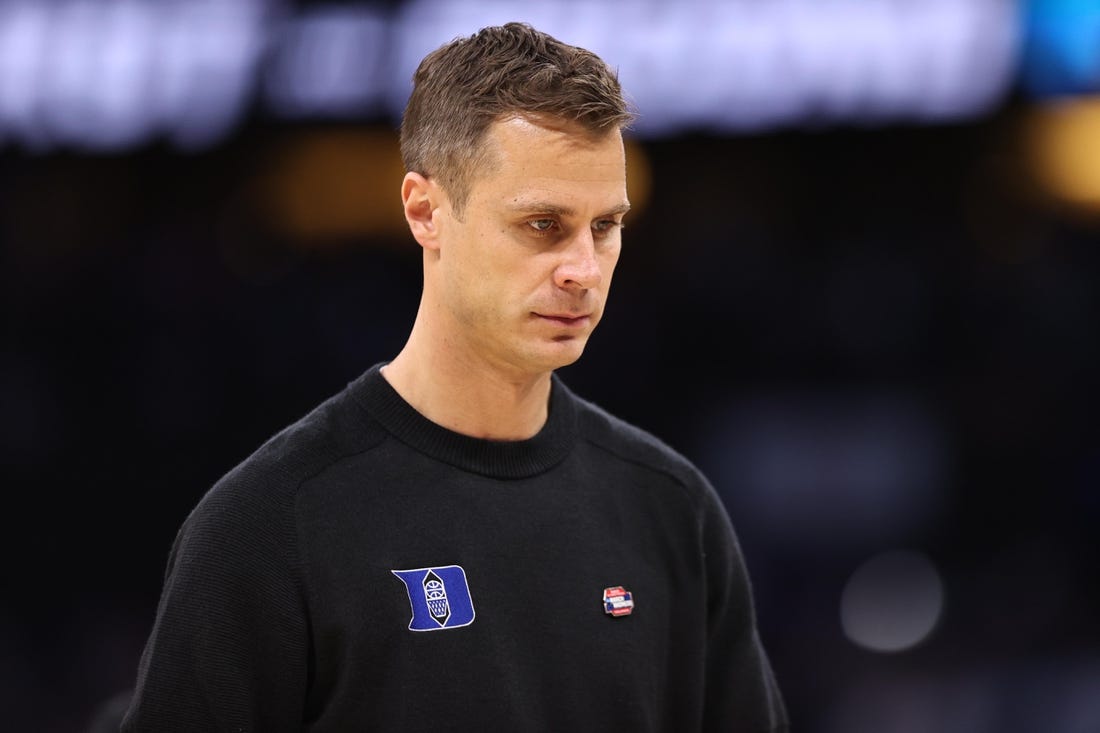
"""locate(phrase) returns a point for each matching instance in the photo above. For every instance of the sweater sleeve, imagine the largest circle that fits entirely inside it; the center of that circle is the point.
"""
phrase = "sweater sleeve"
(741, 692)
(229, 646)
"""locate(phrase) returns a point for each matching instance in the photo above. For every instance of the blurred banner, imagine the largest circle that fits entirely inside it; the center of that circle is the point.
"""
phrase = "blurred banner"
(105, 75)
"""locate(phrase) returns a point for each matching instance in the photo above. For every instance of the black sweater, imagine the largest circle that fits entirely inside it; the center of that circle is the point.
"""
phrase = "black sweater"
(283, 609)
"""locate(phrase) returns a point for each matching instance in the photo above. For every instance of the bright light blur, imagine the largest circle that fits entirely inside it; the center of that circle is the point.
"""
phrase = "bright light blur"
(327, 63)
(1062, 47)
(892, 602)
(1065, 147)
(111, 76)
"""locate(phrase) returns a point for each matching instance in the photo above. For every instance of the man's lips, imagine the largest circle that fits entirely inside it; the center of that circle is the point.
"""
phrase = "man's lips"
(565, 319)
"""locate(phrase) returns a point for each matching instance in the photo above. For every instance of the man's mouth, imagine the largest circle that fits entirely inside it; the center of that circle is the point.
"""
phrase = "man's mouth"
(565, 319)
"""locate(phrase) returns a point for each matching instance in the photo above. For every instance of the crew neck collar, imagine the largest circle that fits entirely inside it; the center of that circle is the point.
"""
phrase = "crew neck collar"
(496, 458)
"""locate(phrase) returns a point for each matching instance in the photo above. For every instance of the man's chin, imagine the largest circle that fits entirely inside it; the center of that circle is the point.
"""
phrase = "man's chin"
(560, 352)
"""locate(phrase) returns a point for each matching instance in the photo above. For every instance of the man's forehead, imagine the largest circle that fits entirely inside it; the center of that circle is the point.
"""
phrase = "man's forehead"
(552, 170)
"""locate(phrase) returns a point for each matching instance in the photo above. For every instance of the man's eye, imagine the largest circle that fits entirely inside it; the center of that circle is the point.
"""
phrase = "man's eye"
(542, 225)
(604, 226)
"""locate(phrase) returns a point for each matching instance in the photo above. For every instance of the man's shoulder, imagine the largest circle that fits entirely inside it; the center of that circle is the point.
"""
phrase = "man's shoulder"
(635, 445)
(272, 474)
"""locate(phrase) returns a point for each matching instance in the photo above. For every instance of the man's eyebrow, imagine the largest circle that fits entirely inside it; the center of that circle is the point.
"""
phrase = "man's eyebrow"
(620, 209)
(539, 207)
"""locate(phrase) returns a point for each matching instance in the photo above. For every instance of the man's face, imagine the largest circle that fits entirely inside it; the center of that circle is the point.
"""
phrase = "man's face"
(524, 274)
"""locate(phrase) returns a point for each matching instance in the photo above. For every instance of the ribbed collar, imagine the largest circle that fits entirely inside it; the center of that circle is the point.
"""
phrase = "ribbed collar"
(496, 458)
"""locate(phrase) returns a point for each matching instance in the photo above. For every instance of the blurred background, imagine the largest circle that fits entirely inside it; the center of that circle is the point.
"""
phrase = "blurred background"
(860, 288)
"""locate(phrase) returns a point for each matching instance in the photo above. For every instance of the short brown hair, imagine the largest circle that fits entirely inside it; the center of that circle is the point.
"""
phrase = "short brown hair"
(461, 88)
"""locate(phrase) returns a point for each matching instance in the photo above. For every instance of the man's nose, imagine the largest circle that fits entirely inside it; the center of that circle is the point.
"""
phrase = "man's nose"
(579, 268)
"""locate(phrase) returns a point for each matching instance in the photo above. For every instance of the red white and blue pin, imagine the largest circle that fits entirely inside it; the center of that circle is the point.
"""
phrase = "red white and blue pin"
(618, 601)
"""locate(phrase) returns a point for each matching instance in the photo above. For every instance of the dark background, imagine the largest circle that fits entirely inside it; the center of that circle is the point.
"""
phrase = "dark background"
(872, 340)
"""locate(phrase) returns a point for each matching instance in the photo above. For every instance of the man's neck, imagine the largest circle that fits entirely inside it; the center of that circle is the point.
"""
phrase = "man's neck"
(468, 395)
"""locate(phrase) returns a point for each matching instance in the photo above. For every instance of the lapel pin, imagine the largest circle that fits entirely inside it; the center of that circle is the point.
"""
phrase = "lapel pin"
(617, 601)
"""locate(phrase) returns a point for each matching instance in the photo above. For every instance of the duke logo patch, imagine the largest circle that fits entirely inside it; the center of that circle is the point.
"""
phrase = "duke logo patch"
(440, 597)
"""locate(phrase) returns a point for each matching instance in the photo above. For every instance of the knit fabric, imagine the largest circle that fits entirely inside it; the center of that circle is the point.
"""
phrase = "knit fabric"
(282, 611)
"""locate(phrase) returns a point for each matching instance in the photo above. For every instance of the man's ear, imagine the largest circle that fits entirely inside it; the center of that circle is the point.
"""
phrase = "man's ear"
(422, 199)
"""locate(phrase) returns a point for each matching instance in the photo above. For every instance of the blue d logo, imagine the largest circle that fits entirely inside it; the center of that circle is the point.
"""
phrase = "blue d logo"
(440, 597)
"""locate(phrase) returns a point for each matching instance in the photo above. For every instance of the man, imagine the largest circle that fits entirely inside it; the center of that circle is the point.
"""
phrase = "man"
(456, 542)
